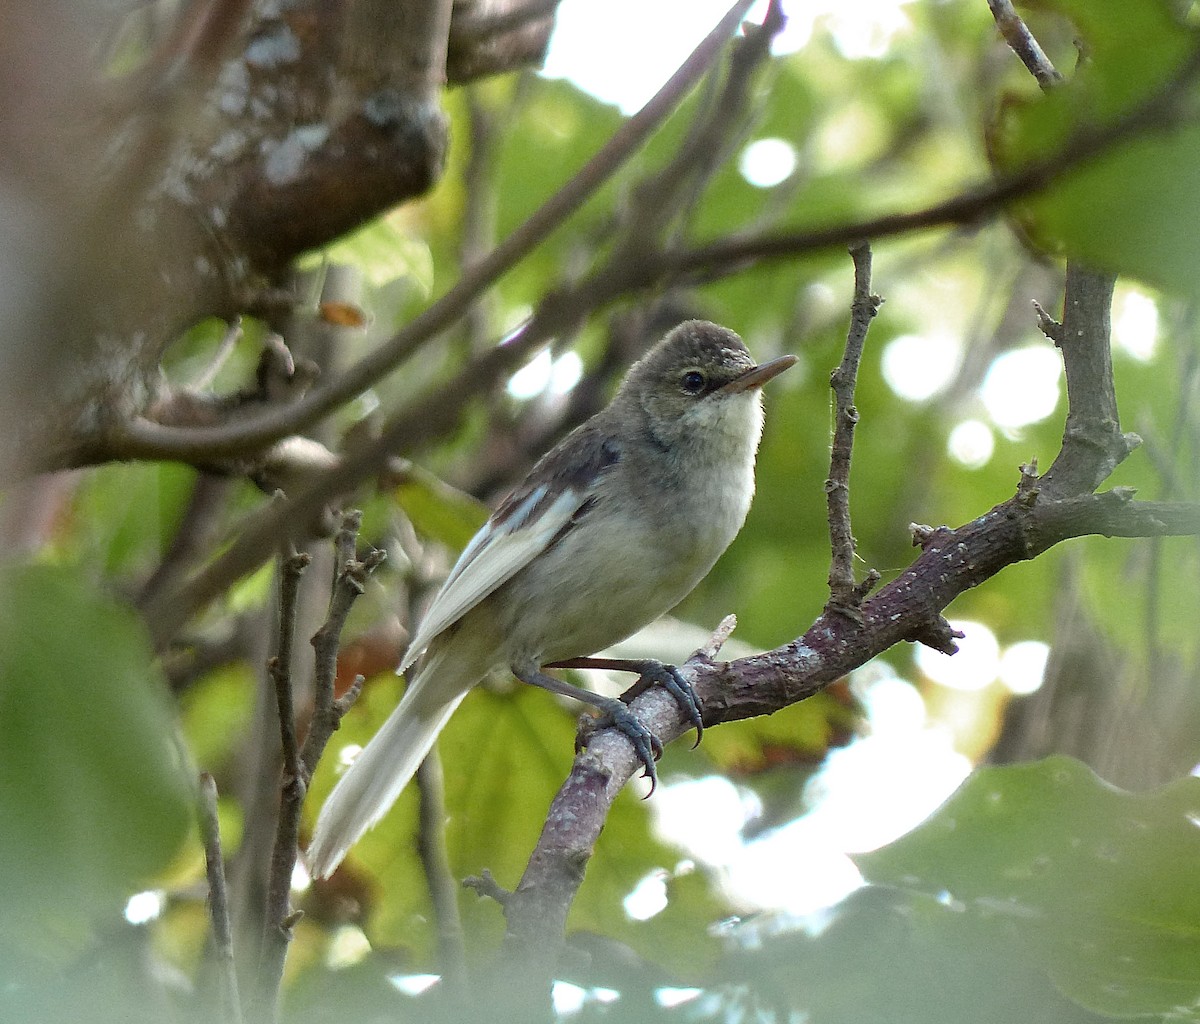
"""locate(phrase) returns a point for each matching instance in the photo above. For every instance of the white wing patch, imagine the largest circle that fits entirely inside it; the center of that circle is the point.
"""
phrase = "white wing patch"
(496, 553)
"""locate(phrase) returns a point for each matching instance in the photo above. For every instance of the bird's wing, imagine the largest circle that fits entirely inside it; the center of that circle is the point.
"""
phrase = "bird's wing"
(557, 493)
(520, 530)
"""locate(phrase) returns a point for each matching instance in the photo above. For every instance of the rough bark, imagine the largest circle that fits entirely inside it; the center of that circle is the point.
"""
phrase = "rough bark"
(133, 205)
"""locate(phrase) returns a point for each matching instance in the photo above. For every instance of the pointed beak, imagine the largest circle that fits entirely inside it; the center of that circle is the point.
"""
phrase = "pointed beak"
(758, 375)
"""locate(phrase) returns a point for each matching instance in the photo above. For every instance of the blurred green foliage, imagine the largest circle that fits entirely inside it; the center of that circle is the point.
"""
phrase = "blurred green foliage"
(1134, 209)
(1036, 894)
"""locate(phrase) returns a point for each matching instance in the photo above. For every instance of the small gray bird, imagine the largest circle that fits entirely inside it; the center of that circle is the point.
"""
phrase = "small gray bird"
(613, 527)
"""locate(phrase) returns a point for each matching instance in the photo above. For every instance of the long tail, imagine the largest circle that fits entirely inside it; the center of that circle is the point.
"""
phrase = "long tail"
(373, 782)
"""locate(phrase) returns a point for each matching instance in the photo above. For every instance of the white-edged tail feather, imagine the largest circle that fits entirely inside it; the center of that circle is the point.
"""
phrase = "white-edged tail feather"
(371, 784)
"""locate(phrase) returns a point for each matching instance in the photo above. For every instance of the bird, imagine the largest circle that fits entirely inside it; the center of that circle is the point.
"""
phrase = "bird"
(610, 529)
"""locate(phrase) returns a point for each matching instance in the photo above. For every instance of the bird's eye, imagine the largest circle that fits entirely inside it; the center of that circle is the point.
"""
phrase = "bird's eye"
(693, 382)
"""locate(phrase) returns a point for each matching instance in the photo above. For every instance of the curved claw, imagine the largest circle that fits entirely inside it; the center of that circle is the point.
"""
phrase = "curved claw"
(670, 679)
(646, 745)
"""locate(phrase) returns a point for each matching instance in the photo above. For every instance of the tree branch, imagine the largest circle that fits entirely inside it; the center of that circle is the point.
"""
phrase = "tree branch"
(717, 259)
(1023, 44)
(844, 595)
(1093, 444)
(435, 861)
(143, 438)
(218, 901)
(350, 576)
(907, 609)
(278, 916)
(536, 911)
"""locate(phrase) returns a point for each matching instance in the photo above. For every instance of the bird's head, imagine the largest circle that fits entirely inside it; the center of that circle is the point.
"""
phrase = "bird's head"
(700, 384)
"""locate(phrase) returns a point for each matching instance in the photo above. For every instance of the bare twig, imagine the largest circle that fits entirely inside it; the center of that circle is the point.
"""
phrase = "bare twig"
(679, 185)
(146, 439)
(350, 578)
(218, 901)
(435, 861)
(1093, 444)
(1016, 33)
(278, 916)
(844, 596)
(719, 258)
(486, 887)
(279, 666)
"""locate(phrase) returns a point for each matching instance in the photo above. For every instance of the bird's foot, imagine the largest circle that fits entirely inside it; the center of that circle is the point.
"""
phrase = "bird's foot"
(616, 715)
(658, 673)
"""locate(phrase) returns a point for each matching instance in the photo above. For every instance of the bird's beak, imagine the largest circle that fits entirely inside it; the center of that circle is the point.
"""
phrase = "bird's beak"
(757, 376)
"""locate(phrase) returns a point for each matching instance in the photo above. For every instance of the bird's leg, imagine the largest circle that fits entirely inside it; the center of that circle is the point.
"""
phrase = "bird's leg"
(650, 673)
(616, 715)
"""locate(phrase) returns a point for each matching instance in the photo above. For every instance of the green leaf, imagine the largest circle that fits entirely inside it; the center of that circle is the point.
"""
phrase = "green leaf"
(216, 712)
(438, 510)
(384, 251)
(888, 955)
(1093, 884)
(1133, 210)
(94, 794)
(126, 512)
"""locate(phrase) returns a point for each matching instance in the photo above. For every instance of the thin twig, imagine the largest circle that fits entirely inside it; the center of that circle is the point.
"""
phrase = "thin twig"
(844, 597)
(435, 861)
(723, 256)
(146, 439)
(218, 901)
(679, 184)
(278, 916)
(1093, 443)
(1021, 41)
(349, 581)
(350, 577)
(485, 886)
(279, 666)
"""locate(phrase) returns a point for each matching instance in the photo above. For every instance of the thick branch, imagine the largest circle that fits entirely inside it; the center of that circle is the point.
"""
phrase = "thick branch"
(145, 439)
(1093, 444)
(952, 562)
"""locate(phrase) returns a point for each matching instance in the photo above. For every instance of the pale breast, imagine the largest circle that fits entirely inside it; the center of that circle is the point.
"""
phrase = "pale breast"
(635, 555)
